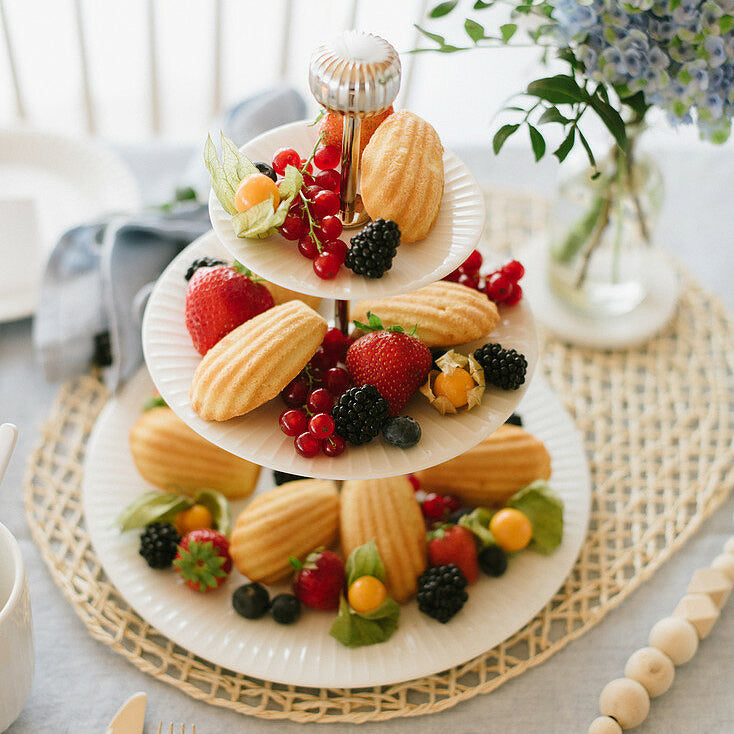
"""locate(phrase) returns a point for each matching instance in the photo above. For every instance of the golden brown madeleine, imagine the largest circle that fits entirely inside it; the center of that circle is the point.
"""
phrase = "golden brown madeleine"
(446, 313)
(291, 520)
(492, 471)
(283, 295)
(402, 174)
(175, 458)
(386, 511)
(253, 363)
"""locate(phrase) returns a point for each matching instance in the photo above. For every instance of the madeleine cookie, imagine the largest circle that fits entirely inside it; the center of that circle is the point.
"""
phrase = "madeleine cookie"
(253, 363)
(446, 313)
(386, 511)
(491, 472)
(291, 520)
(402, 174)
(175, 458)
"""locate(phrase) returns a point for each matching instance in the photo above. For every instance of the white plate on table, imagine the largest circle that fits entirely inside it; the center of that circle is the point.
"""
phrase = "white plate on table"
(304, 654)
(172, 360)
(453, 236)
(48, 184)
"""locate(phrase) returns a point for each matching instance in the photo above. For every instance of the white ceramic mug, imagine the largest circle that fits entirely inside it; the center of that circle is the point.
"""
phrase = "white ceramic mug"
(16, 634)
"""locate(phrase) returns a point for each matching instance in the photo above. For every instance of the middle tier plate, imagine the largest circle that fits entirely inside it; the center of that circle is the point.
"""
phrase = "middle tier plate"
(451, 239)
(172, 360)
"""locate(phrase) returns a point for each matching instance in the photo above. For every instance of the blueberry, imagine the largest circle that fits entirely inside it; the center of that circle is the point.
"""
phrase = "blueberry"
(285, 609)
(402, 431)
(281, 477)
(493, 560)
(267, 170)
(251, 601)
(514, 420)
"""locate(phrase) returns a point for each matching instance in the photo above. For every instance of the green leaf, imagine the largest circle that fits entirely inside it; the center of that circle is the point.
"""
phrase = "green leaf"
(544, 508)
(562, 151)
(443, 9)
(508, 31)
(553, 114)
(357, 630)
(612, 119)
(474, 30)
(559, 89)
(589, 152)
(478, 522)
(154, 401)
(501, 136)
(217, 504)
(481, 5)
(152, 507)
(440, 40)
(636, 103)
(537, 141)
(365, 561)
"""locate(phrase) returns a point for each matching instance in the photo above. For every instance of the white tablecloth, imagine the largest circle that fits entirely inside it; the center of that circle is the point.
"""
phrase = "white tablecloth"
(79, 682)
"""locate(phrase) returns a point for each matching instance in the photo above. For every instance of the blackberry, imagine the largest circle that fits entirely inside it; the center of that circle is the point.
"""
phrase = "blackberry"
(503, 368)
(373, 249)
(158, 544)
(202, 262)
(442, 592)
(282, 477)
(359, 414)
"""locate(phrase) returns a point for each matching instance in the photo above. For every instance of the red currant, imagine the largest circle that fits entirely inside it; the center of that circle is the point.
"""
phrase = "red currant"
(308, 168)
(293, 422)
(337, 248)
(335, 343)
(415, 482)
(326, 265)
(453, 276)
(334, 445)
(330, 228)
(293, 227)
(325, 204)
(294, 393)
(473, 262)
(499, 287)
(329, 180)
(337, 381)
(320, 401)
(514, 270)
(307, 445)
(322, 360)
(451, 502)
(308, 179)
(285, 157)
(307, 247)
(433, 507)
(469, 280)
(321, 425)
(514, 299)
(327, 157)
(310, 192)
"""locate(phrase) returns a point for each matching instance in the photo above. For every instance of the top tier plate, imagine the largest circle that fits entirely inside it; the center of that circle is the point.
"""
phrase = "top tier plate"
(452, 238)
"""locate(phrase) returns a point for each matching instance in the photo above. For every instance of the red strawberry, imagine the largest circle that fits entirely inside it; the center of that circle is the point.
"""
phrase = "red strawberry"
(319, 581)
(396, 363)
(332, 126)
(218, 300)
(203, 559)
(454, 544)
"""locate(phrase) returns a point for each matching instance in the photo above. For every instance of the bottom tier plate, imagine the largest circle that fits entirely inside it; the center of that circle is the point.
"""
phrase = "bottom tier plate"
(304, 654)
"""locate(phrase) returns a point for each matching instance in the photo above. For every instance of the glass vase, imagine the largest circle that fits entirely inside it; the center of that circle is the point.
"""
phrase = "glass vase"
(602, 234)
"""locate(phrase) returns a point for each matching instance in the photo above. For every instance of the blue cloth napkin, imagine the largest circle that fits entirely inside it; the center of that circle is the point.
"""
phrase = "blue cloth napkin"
(99, 274)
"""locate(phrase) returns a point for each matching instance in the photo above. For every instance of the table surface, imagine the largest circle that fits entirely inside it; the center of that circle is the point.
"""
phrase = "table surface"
(79, 683)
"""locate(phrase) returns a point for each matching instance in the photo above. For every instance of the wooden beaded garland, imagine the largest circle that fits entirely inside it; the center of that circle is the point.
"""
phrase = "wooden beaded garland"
(676, 637)
(729, 546)
(604, 725)
(625, 700)
(725, 564)
(700, 611)
(713, 582)
(651, 668)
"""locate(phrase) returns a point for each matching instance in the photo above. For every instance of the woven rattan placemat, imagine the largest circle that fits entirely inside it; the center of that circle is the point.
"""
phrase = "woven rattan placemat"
(657, 426)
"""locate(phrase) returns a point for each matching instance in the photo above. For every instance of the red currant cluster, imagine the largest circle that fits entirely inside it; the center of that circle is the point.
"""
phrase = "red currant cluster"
(436, 508)
(310, 398)
(312, 218)
(501, 286)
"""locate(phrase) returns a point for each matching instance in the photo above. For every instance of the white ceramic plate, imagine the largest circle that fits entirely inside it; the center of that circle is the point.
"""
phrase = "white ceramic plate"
(49, 183)
(172, 360)
(304, 654)
(454, 235)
